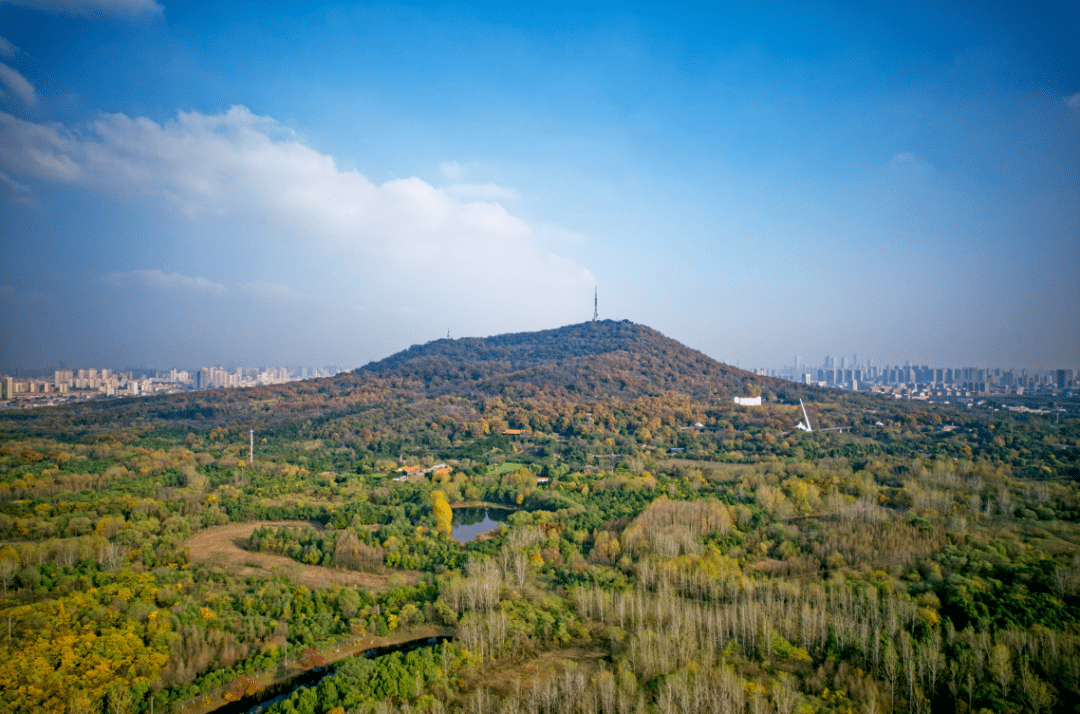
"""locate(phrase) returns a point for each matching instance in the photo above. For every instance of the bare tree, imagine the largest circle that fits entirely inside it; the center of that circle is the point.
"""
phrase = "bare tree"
(81, 703)
(784, 694)
(119, 700)
(8, 568)
(521, 566)
(1036, 692)
(111, 555)
(1001, 668)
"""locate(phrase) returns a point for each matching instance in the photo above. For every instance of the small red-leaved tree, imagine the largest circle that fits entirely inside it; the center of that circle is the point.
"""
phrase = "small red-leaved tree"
(241, 687)
(312, 659)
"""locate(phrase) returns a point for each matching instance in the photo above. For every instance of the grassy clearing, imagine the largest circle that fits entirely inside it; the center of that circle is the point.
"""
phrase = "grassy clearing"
(512, 675)
(505, 468)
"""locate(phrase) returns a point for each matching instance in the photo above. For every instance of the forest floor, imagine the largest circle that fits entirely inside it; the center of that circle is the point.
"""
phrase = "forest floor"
(224, 546)
(211, 701)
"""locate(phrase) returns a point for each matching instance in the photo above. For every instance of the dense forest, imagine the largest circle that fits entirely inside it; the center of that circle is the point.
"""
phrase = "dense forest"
(667, 550)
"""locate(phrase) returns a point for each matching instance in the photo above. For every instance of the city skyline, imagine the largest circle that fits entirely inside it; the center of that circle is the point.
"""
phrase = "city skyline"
(322, 184)
(802, 367)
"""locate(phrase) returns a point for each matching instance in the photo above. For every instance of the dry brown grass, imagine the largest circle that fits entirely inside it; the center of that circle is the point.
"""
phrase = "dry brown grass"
(224, 546)
(510, 675)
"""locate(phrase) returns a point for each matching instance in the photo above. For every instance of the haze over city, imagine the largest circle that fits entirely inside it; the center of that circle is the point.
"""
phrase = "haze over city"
(188, 184)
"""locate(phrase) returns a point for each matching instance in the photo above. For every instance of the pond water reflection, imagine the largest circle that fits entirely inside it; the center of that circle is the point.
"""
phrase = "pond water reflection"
(471, 522)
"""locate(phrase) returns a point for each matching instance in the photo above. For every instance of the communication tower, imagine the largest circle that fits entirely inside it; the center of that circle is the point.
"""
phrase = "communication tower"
(595, 310)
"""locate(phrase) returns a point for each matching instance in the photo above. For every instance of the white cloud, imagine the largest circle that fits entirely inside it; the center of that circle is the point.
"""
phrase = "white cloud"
(164, 281)
(18, 84)
(452, 170)
(908, 164)
(7, 49)
(241, 168)
(483, 191)
(275, 291)
(1073, 101)
(123, 8)
(18, 191)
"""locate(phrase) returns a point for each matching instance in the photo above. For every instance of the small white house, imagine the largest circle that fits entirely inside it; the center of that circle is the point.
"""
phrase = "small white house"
(748, 401)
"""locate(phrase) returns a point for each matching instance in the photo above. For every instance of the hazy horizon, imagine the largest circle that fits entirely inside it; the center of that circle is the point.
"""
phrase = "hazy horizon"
(808, 363)
(197, 184)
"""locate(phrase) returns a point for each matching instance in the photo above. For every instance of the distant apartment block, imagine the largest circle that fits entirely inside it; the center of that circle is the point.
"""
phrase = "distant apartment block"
(68, 385)
(915, 381)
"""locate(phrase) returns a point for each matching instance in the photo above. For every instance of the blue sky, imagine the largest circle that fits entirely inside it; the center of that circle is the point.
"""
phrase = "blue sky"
(268, 183)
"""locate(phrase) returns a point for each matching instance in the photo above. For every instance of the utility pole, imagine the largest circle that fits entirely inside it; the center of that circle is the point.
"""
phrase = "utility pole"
(251, 449)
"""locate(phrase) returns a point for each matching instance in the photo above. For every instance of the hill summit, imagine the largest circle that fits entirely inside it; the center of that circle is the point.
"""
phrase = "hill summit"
(603, 358)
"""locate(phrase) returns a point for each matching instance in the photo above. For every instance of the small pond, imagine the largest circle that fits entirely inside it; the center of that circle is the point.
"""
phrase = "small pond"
(471, 522)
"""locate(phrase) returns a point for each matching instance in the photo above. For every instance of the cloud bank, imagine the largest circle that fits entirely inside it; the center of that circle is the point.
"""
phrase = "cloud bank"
(438, 249)
(164, 281)
(273, 291)
(18, 84)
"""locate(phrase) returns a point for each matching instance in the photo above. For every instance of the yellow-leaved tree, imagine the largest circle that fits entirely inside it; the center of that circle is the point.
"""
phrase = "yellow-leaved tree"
(444, 516)
(78, 650)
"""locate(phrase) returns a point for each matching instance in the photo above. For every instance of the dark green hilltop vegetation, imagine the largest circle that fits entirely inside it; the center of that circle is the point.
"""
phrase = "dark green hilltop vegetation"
(666, 550)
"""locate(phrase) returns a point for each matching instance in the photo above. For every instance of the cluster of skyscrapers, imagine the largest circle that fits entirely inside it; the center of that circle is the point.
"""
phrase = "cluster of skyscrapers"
(928, 381)
(78, 384)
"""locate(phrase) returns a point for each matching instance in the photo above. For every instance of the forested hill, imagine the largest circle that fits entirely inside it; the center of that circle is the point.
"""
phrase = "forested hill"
(579, 364)
(604, 358)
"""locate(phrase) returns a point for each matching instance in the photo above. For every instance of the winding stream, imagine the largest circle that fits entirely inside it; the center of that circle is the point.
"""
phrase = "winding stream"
(281, 691)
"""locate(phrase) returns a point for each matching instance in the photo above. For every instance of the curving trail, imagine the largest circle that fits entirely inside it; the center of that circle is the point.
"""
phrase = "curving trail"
(223, 545)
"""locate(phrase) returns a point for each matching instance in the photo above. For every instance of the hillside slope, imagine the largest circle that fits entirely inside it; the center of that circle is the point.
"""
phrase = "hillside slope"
(604, 358)
(576, 364)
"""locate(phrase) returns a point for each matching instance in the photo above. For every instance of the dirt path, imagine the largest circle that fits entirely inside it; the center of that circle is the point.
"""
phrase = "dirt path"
(223, 545)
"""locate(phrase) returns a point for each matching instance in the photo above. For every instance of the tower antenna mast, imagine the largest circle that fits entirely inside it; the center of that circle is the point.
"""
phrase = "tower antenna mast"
(595, 305)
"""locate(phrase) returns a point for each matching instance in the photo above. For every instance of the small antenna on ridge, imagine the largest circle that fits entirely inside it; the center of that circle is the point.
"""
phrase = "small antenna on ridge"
(595, 304)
